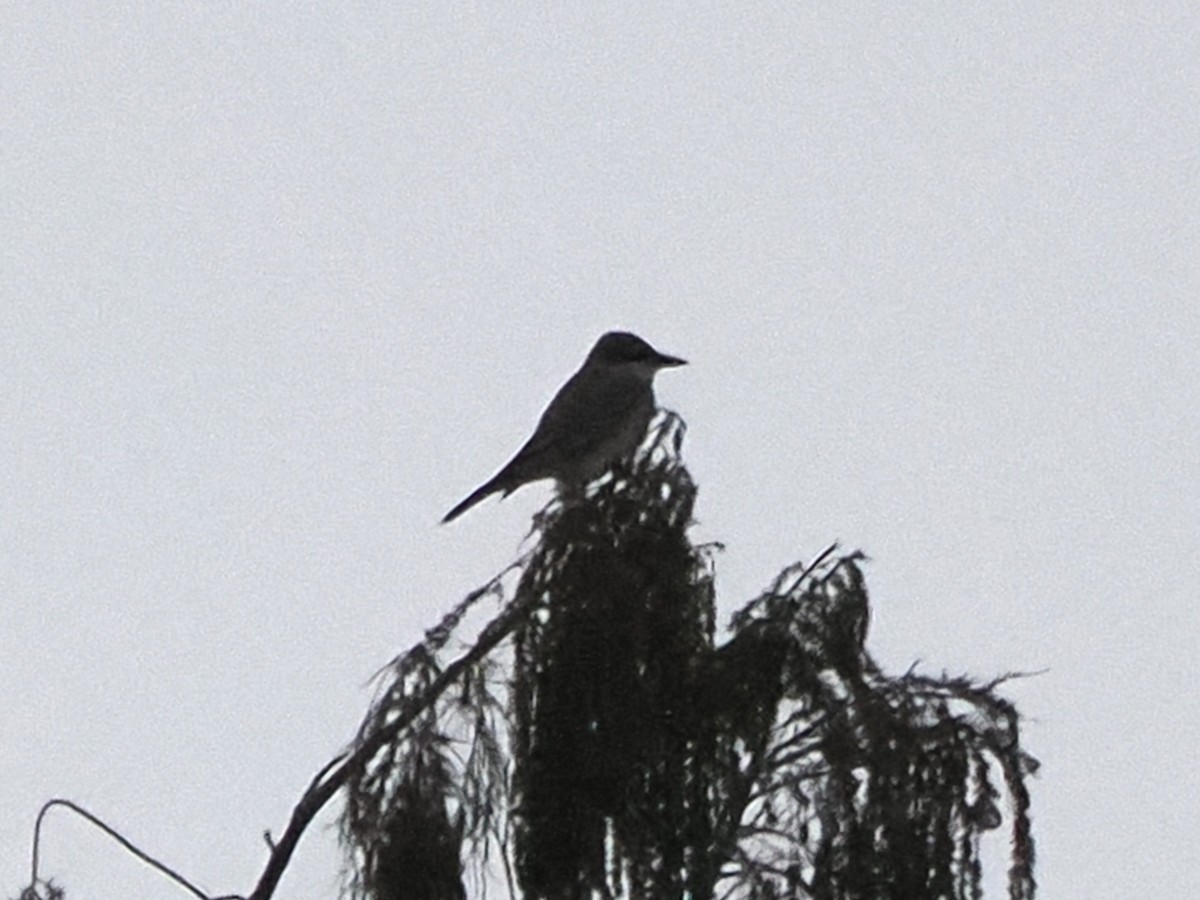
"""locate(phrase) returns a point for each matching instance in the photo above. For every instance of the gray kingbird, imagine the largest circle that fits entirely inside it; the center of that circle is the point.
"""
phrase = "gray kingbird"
(598, 417)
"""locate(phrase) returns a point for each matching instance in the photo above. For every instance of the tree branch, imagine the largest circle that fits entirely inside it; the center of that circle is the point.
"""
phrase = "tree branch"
(120, 839)
(334, 776)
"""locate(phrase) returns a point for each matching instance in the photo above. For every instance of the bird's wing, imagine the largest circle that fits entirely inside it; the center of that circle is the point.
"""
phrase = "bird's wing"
(592, 406)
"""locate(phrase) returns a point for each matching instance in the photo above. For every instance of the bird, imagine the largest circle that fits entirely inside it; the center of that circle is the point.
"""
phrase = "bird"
(598, 417)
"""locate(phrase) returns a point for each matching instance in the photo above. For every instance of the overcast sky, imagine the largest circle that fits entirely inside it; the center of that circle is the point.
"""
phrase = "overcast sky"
(281, 283)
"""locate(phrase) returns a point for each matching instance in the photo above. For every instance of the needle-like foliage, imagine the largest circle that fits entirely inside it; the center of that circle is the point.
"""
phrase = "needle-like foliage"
(599, 742)
(607, 739)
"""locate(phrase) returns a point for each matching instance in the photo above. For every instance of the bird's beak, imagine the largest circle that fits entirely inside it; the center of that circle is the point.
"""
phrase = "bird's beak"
(669, 362)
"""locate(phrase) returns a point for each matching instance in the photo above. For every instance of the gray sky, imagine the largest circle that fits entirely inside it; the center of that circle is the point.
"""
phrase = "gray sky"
(280, 285)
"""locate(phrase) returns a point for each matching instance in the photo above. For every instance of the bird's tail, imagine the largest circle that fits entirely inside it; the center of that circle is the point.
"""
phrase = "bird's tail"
(480, 493)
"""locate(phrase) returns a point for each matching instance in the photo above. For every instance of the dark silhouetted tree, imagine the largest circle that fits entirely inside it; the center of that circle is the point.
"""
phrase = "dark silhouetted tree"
(595, 739)
(604, 743)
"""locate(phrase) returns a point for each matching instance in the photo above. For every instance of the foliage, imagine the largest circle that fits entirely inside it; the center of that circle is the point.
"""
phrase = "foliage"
(597, 741)
(629, 754)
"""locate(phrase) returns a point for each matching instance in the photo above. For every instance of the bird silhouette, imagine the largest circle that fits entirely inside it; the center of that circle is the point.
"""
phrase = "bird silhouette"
(598, 417)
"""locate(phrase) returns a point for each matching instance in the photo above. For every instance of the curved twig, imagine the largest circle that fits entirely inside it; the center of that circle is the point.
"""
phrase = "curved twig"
(120, 839)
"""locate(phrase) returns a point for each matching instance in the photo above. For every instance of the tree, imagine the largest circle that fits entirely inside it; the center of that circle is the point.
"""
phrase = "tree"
(646, 760)
(597, 740)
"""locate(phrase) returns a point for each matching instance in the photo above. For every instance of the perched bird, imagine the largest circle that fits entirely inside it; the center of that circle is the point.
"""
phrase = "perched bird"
(599, 416)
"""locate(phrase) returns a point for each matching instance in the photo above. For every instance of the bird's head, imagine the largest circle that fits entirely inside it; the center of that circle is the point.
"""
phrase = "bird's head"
(621, 348)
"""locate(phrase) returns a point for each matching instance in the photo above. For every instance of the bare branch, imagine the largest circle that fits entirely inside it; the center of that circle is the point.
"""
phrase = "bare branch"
(120, 839)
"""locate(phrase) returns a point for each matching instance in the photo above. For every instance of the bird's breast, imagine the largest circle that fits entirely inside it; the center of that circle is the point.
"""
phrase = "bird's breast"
(619, 443)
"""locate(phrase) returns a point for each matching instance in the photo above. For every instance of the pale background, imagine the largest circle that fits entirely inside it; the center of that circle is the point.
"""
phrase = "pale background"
(282, 282)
